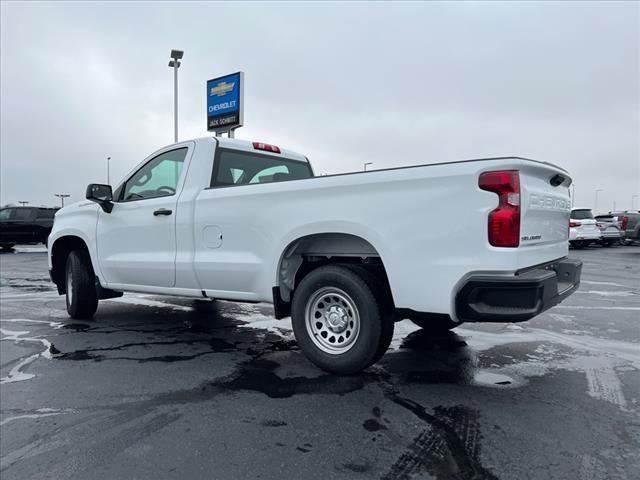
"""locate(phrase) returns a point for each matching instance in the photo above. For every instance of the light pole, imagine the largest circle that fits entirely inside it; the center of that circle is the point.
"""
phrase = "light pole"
(23, 202)
(108, 162)
(595, 210)
(174, 63)
(367, 164)
(633, 197)
(62, 196)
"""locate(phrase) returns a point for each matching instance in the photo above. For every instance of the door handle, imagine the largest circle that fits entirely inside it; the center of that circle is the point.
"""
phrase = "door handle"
(162, 211)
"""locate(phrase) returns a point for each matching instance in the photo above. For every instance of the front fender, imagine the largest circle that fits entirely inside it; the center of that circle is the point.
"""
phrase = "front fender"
(78, 220)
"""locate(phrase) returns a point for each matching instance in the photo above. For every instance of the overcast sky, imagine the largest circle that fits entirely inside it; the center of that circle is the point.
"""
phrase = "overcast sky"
(344, 83)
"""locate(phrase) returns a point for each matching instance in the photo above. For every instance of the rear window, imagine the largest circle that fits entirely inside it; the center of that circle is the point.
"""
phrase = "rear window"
(581, 215)
(234, 167)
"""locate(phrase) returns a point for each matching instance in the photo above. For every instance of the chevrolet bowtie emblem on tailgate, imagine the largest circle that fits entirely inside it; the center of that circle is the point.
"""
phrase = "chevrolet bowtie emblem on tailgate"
(222, 89)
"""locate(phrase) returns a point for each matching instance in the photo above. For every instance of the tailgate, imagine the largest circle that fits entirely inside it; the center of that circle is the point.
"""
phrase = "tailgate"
(544, 216)
(588, 226)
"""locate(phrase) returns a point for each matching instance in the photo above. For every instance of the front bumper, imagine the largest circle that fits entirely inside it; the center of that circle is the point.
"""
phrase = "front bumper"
(494, 298)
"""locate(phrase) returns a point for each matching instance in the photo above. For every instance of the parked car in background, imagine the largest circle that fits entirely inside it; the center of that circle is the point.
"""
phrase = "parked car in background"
(632, 226)
(25, 225)
(610, 231)
(583, 229)
(627, 220)
(610, 218)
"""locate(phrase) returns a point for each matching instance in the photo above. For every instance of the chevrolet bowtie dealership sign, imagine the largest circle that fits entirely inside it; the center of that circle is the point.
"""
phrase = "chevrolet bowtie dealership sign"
(225, 102)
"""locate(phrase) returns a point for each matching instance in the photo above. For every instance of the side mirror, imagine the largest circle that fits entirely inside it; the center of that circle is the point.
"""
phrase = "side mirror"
(101, 194)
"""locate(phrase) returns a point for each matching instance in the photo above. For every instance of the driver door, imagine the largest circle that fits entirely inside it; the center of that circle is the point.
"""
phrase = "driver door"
(137, 240)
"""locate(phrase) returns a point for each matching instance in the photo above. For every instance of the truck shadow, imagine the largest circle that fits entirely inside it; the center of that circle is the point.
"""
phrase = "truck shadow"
(192, 331)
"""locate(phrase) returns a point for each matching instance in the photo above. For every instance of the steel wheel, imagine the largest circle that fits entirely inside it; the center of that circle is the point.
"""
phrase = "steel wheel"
(332, 320)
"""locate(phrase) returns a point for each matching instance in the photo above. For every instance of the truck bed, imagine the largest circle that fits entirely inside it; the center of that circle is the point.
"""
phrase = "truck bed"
(427, 223)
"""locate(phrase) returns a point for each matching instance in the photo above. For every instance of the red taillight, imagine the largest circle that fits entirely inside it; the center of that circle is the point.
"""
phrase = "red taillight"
(574, 224)
(504, 221)
(625, 222)
(266, 147)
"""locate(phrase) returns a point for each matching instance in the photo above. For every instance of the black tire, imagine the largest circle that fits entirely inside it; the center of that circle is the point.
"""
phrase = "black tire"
(386, 304)
(375, 325)
(435, 325)
(7, 246)
(81, 296)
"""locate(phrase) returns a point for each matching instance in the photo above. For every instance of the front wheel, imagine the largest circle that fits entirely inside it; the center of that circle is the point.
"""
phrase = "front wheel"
(341, 319)
(82, 299)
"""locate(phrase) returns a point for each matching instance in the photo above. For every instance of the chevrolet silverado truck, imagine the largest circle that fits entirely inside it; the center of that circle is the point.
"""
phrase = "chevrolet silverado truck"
(344, 255)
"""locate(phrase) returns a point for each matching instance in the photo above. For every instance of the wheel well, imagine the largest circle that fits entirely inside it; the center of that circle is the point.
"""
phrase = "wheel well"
(310, 252)
(60, 250)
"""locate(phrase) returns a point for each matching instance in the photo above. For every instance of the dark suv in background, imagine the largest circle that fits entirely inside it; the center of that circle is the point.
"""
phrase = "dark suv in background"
(25, 225)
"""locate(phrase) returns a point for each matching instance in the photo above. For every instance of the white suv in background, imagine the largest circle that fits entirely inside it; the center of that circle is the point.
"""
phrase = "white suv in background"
(583, 229)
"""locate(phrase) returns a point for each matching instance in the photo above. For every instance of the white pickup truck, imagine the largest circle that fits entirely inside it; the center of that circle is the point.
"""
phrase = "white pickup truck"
(345, 255)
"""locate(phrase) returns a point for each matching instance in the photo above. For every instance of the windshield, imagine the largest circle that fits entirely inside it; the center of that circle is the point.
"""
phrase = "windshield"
(581, 215)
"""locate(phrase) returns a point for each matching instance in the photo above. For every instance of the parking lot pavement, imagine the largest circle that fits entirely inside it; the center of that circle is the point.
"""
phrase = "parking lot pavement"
(158, 387)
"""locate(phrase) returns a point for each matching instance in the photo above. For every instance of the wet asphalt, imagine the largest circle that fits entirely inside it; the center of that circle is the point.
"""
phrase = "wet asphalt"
(159, 387)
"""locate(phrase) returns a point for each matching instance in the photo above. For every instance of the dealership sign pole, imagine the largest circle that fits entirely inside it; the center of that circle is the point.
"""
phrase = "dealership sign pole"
(225, 103)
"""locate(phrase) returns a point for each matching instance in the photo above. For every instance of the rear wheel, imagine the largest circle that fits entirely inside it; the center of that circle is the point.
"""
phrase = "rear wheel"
(341, 319)
(82, 299)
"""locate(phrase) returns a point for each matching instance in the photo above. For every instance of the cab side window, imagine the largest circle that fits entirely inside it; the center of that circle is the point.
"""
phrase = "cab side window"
(157, 178)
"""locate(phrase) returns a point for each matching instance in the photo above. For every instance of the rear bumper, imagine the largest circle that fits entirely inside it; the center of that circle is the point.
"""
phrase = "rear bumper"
(579, 236)
(494, 298)
(633, 234)
(612, 235)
